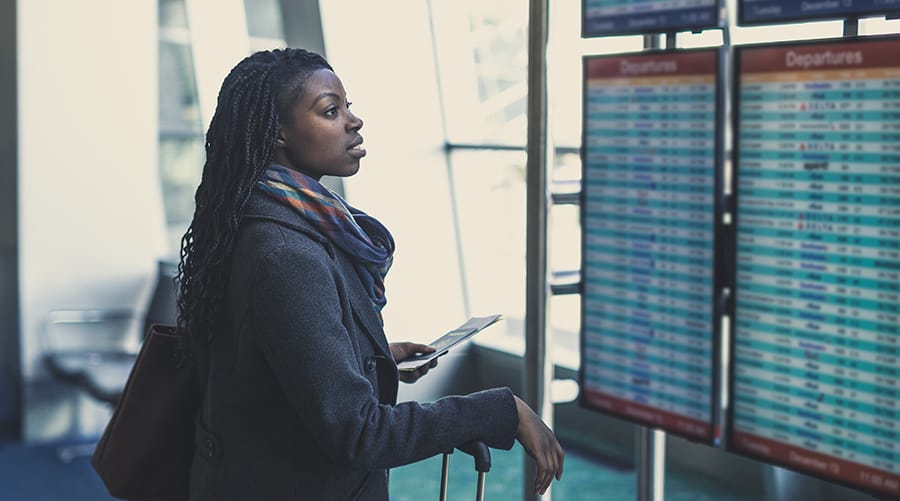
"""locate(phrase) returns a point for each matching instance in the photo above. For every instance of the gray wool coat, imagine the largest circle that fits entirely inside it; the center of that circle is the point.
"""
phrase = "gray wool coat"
(302, 394)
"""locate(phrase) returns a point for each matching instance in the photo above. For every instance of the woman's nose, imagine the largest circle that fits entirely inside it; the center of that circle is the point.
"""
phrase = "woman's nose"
(355, 123)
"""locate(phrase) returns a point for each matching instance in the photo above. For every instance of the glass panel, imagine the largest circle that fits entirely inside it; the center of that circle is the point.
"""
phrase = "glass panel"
(264, 19)
(490, 191)
(179, 110)
(564, 238)
(490, 199)
(180, 166)
(565, 175)
(172, 14)
(181, 152)
(564, 255)
(879, 26)
(482, 54)
(564, 317)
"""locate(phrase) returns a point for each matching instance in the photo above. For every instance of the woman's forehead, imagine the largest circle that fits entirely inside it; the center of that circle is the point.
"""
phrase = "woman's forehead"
(322, 81)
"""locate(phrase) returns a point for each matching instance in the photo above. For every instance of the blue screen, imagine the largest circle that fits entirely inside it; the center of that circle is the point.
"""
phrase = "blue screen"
(615, 17)
(649, 202)
(773, 11)
(816, 338)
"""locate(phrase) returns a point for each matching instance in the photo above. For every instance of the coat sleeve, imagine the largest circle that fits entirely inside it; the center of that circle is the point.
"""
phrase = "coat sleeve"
(297, 308)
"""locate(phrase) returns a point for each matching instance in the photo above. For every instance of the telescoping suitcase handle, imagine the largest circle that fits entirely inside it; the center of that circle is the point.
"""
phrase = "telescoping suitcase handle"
(482, 454)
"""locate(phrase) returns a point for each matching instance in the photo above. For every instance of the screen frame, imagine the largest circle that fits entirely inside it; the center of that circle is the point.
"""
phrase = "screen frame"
(720, 246)
(718, 23)
(852, 14)
(732, 305)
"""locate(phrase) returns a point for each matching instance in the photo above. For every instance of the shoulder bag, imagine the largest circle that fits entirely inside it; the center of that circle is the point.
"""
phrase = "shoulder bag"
(148, 445)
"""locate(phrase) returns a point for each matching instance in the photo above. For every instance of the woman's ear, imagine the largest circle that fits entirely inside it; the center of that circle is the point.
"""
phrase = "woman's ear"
(280, 140)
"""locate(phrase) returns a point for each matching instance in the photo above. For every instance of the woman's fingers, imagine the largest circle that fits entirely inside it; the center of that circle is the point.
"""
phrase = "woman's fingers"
(421, 348)
(541, 444)
(403, 350)
(543, 481)
(549, 467)
(561, 455)
(552, 462)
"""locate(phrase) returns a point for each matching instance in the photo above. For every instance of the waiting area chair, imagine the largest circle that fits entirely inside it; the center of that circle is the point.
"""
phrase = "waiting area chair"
(95, 349)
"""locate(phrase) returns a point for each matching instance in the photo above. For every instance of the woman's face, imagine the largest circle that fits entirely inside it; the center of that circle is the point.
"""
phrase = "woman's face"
(320, 136)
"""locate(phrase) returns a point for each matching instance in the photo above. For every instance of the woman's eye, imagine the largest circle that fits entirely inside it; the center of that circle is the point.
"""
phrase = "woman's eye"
(348, 104)
(332, 111)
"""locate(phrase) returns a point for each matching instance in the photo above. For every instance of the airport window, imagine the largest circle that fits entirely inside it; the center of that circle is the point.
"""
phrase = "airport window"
(264, 19)
(492, 230)
(481, 52)
(264, 24)
(482, 57)
(181, 124)
(180, 129)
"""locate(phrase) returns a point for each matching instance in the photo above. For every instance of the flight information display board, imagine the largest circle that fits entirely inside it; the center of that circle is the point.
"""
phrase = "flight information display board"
(816, 327)
(625, 17)
(780, 11)
(651, 174)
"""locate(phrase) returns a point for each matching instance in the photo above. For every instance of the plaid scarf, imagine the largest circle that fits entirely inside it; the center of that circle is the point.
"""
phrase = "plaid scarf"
(355, 232)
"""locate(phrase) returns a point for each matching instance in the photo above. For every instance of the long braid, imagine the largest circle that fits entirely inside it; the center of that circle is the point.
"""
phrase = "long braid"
(240, 144)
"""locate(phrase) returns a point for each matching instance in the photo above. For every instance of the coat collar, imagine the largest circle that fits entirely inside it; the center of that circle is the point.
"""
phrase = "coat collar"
(262, 207)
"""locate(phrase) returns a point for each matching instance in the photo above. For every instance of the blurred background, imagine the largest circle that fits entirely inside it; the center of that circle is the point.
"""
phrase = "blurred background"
(103, 108)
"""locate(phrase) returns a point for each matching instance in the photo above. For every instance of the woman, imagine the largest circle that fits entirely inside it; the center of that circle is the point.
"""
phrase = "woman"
(281, 289)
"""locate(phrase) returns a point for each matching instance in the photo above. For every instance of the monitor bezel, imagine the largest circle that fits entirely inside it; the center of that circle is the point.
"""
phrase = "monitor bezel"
(729, 443)
(719, 247)
(859, 13)
(718, 23)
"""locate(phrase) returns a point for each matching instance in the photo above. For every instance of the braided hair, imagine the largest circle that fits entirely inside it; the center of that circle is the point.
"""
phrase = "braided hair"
(255, 97)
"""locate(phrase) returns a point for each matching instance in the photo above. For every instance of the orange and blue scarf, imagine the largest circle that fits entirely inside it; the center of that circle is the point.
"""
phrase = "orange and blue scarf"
(355, 232)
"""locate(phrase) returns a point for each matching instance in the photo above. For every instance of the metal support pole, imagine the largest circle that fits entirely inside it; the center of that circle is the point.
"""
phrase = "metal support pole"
(651, 444)
(652, 42)
(445, 475)
(651, 452)
(537, 368)
(851, 27)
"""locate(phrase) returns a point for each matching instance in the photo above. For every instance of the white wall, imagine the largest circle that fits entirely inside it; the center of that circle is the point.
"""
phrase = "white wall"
(383, 53)
(91, 223)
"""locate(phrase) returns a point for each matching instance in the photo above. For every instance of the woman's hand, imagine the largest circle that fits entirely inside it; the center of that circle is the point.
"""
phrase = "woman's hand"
(402, 351)
(540, 443)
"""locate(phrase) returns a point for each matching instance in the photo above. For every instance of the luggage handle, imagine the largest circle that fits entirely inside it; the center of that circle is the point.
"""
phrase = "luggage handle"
(482, 454)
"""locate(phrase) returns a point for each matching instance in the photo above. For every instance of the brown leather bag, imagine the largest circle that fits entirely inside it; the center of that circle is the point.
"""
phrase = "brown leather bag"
(148, 445)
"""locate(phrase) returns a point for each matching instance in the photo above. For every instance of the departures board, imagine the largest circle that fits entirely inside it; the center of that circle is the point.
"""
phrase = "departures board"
(625, 17)
(816, 327)
(652, 143)
(781, 11)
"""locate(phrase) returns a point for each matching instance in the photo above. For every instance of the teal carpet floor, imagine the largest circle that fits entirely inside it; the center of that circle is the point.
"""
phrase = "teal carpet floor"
(584, 478)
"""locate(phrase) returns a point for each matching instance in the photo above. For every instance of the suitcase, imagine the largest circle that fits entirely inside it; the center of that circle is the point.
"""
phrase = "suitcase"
(482, 454)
